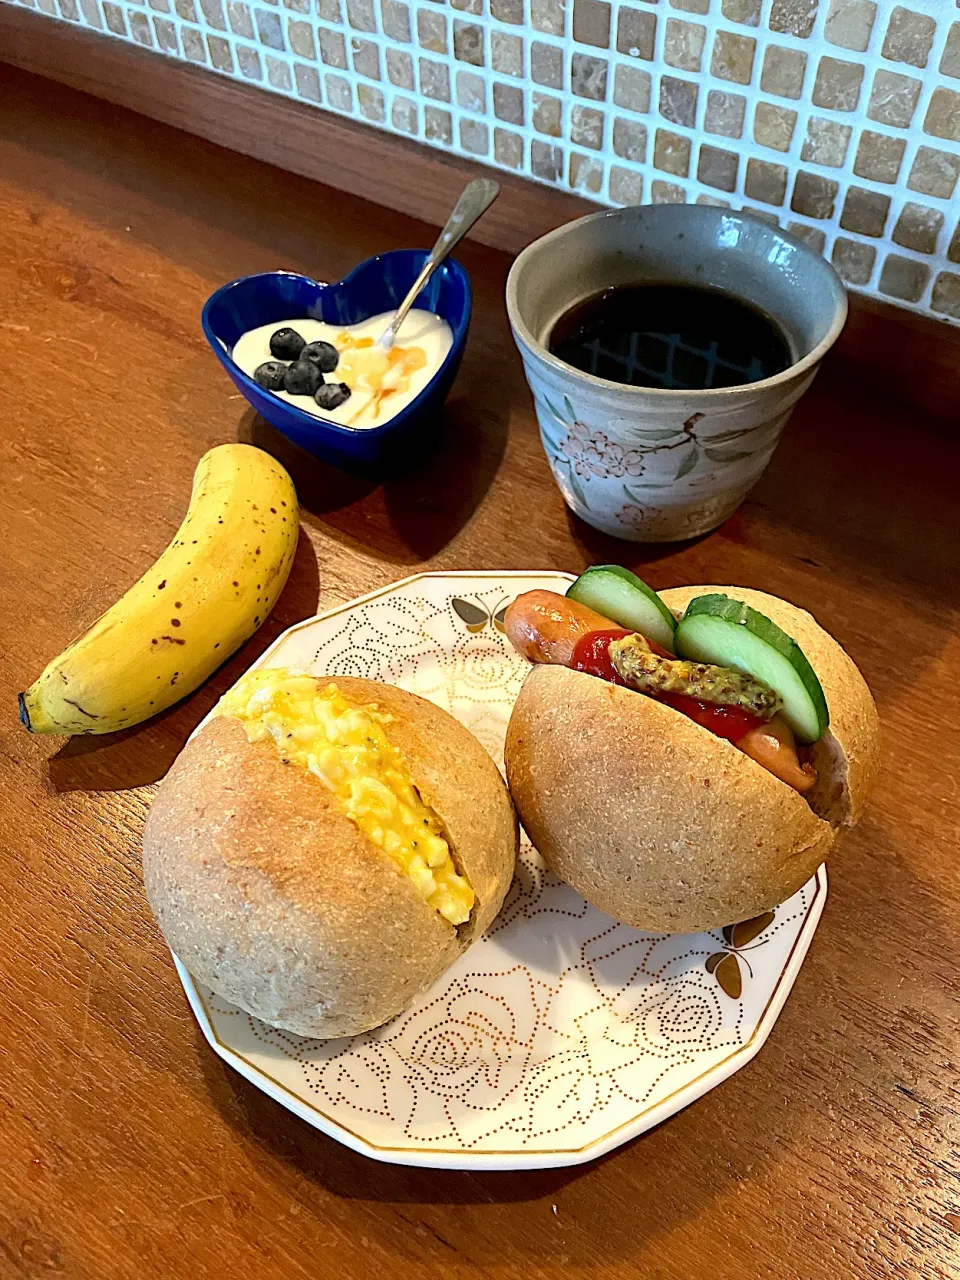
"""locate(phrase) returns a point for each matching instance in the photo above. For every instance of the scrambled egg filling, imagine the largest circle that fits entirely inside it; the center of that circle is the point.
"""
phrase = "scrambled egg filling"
(347, 748)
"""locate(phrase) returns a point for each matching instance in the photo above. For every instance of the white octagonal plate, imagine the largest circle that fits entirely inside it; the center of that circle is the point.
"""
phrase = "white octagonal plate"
(561, 1034)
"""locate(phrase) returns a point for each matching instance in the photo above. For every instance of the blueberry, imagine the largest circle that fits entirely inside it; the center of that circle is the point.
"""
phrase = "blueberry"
(270, 375)
(286, 344)
(302, 378)
(323, 354)
(332, 395)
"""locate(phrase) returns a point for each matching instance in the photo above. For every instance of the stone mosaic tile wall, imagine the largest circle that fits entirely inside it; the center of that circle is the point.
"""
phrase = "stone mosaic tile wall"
(838, 118)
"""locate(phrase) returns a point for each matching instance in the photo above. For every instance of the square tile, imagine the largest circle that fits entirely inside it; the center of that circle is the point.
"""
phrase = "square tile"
(953, 248)
(278, 73)
(396, 20)
(943, 115)
(308, 82)
(339, 93)
(713, 201)
(508, 103)
(783, 72)
(733, 57)
(506, 53)
(950, 61)
(360, 15)
(909, 37)
(671, 153)
(945, 299)
(725, 113)
(399, 68)
(508, 148)
(636, 33)
(468, 6)
(588, 77)
(221, 55)
(812, 236)
(745, 11)
(813, 195)
(773, 126)
(185, 9)
(366, 58)
(548, 16)
(438, 125)
(333, 50)
(903, 278)
(403, 115)
(432, 31)
(666, 193)
(689, 6)
(893, 99)
(918, 228)
(934, 173)
(683, 44)
(329, 10)
(678, 101)
(629, 140)
(865, 212)
(300, 38)
(826, 142)
(371, 103)
(854, 261)
(213, 12)
(271, 32)
(471, 91)
(591, 22)
(717, 168)
(468, 43)
(586, 127)
(837, 86)
(248, 58)
(793, 17)
(546, 162)
(765, 182)
(241, 22)
(879, 156)
(434, 79)
(850, 24)
(632, 88)
(546, 65)
(507, 11)
(193, 47)
(547, 114)
(474, 137)
(586, 174)
(625, 186)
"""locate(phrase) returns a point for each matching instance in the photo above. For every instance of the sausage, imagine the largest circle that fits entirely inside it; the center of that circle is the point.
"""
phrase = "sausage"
(774, 747)
(545, 626)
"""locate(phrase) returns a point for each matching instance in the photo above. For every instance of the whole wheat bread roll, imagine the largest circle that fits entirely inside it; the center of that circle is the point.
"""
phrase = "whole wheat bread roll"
(272, 897)
(661, 823)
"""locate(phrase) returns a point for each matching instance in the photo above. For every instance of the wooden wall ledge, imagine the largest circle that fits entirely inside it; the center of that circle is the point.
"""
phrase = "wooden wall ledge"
(917, 358)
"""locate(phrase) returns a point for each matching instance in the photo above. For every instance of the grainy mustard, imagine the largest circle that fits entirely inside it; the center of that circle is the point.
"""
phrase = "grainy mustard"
(346, 747)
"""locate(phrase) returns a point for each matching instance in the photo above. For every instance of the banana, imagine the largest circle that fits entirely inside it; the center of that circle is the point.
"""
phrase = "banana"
(208, 593)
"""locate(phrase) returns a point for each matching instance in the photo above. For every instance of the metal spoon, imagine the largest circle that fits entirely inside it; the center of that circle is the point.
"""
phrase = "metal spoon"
(476, 199)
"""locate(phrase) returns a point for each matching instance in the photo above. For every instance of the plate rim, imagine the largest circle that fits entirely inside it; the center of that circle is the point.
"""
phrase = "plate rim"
(461, 1157)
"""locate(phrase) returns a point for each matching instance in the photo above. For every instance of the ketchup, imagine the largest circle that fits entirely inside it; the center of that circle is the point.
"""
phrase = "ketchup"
(591, 654)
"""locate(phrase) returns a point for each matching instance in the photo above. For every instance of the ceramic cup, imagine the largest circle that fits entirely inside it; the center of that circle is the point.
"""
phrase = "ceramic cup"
(649, 464)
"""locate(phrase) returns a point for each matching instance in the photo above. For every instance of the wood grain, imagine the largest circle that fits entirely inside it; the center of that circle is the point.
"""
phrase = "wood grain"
(916, 358)
(126, 1148)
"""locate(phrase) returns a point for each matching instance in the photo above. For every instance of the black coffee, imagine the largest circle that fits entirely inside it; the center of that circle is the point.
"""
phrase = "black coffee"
(670, 335)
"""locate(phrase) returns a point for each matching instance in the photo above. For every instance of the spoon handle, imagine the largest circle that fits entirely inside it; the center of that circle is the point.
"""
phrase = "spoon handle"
(477, 197)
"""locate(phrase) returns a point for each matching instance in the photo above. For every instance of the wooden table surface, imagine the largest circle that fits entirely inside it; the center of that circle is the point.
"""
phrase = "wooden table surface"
(127, 1149)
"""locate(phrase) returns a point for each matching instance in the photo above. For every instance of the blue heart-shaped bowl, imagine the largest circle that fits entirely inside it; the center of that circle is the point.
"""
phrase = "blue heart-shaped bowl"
(377, 285)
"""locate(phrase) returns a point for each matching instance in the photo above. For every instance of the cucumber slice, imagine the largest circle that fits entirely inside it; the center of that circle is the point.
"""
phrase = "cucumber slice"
(620, 596)
(730, 634)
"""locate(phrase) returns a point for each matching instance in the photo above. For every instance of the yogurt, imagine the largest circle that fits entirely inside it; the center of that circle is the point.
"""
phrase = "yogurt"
(381, 382)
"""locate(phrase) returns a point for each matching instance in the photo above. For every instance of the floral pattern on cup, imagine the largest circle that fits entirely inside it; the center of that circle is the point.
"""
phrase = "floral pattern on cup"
(645, 460)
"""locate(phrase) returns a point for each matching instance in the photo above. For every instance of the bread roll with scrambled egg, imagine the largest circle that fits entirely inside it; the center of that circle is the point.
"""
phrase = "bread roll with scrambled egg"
(661, 823)
(323, 849)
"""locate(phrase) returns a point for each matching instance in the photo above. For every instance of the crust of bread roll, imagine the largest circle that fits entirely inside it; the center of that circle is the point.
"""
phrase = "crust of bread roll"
(664, 825)
(273, 898)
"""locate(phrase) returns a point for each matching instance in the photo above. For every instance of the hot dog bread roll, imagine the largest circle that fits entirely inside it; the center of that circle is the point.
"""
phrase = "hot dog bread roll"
(662, 823)
(323, 850)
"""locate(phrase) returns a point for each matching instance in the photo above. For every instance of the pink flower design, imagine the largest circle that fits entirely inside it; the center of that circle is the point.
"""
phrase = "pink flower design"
(631, 514)
(593, 453)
